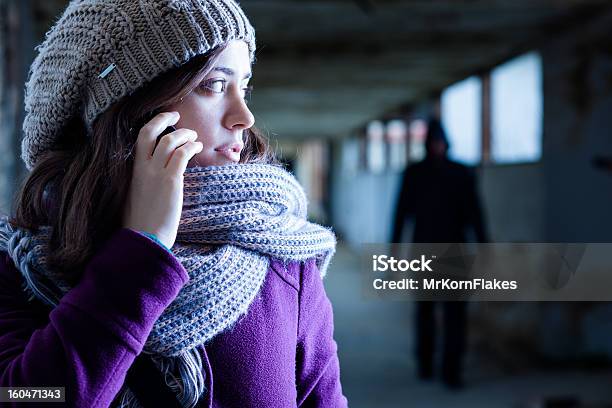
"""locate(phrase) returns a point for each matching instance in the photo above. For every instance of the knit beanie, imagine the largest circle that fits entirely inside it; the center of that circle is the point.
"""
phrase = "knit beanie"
(102, 50)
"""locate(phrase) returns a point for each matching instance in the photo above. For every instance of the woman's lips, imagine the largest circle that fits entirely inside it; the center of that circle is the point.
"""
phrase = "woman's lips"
(231, 151)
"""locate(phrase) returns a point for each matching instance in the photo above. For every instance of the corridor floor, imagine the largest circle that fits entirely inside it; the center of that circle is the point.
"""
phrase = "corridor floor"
(377, 369)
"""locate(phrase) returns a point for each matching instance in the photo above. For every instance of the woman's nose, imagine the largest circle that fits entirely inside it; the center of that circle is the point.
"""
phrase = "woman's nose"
(239, 115)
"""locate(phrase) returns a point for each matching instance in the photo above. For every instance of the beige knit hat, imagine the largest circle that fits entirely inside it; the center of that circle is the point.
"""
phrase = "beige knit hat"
(101, 50)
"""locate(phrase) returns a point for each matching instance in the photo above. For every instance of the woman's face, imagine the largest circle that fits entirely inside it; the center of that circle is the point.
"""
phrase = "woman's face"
(216, 109)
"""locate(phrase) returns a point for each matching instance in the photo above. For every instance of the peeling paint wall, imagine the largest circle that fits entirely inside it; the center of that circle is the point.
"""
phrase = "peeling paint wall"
(567, 198)
(577, 128)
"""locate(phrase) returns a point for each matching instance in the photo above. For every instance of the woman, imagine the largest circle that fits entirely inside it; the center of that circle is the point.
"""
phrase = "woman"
(165, 258)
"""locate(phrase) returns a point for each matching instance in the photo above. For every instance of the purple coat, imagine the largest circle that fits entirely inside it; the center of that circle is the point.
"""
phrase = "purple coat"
(280, 354)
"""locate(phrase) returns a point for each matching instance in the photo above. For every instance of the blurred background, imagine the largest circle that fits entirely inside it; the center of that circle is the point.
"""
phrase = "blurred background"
(344, 89)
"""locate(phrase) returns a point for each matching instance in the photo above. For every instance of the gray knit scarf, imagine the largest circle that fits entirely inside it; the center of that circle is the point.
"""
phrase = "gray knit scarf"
(234, 218)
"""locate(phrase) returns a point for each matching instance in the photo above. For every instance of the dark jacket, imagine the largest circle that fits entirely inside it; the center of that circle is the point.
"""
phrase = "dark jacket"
(442, 198)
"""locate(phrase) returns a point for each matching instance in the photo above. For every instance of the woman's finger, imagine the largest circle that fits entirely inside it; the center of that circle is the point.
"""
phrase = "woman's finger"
(147, 135)
(182, 155)
(170, 142)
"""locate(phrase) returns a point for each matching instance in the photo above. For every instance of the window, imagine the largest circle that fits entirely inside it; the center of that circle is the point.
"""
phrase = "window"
(516, 110)
(462, 117)
(397, 135)
(375, 146)
(417, 132)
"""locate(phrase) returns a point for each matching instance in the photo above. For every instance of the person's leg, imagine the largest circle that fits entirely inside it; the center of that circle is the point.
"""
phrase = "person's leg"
(455, 328)
(425, 338)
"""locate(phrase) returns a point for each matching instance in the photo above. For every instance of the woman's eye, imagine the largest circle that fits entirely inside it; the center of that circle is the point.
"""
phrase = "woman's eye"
(217, 85)
(220, 86)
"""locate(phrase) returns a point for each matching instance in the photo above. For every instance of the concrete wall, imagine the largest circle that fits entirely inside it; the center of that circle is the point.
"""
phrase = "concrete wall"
(513, 198)
(362, 203)
(564, 198)
(577, 127)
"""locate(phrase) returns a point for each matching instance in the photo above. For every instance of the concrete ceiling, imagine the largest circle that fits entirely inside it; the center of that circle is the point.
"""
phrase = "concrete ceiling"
(326, 67)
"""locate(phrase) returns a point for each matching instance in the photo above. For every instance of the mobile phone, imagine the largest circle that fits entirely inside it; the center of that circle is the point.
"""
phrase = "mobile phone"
(169, 129)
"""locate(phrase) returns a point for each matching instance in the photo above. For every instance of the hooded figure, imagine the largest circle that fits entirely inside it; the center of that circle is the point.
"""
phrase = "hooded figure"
(440, 195)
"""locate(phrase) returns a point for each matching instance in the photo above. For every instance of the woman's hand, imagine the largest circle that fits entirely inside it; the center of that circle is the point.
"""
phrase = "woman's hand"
(155, 199)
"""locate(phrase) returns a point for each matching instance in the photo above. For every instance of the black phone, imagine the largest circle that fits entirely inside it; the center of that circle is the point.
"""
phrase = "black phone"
(146, 119)
(169, 129)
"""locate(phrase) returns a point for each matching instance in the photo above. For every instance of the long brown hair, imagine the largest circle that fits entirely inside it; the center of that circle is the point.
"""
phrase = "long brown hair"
(80, 187)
